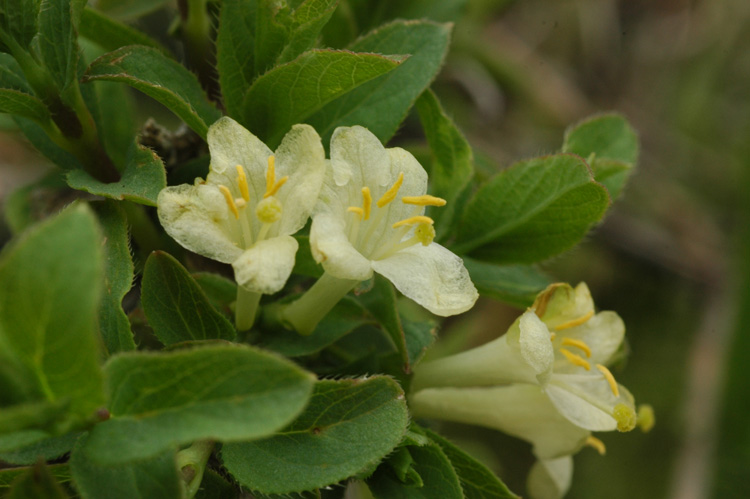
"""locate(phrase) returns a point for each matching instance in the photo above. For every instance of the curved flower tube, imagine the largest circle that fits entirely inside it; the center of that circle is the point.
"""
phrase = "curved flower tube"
(248, 207)
(370, 218)
(560, 345)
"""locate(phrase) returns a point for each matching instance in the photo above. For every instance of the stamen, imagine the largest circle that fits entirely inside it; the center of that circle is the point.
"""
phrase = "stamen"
(625, 417)
(575, 322)
(575, 359)
(390, 194)
(241, 203)
(610, 379)
(419, 219)
(276, 187)
(366, 202)
(271, 173)
(552, 336)
(572, 342)
(596, 444)
(272, 186)
(425, 200)
(356, 209)
(242, 182)
(230, 200)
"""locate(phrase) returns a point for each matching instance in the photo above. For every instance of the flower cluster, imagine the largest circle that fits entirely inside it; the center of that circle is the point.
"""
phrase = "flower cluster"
(367, 204)
(546, 381)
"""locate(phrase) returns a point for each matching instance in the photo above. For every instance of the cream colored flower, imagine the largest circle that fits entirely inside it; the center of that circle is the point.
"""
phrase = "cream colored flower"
(370, 217)
(250, 204)
(559, 345)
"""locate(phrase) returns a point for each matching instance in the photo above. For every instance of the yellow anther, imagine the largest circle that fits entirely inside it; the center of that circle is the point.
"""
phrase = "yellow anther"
(575, 322)
(419, 219)
(276, 187)
(230, 200)
(271, 173)
(425, 234)
(625, 417)
(242, 182)
(575, 359)
(268, 210)
(645, 418)
(610, 379)
(366, 202)
(572, 342)
(552, 336)
(356, 209)
(596, 444)
(425, 200)
(390, 194)
(273, 186)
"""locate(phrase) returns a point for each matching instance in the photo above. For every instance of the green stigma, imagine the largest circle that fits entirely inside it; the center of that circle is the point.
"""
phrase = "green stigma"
(625, 416)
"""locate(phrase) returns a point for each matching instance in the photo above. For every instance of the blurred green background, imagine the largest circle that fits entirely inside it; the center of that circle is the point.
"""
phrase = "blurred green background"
(673, 255)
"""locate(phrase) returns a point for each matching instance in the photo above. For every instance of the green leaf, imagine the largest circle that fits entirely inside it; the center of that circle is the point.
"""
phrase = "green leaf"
(345, 317)
(154, 477)
(217, 392)
(176, 307)
(57, 42)
(477, 481)
(128, 9)
(54, 271)
(348, 427)
(11, 75)
(514, 284)
(283, 32)
(533, 210)
(114, 325)
(116, 120)
(33, 202)
(111, 34)
(59, 471)
(234, 52)
(141, 180)
(608, 136)
(419, 337)
(45, 449)
(436, 10)
(156, 75)
(214, 486)
(23, 104)
(290, 93)
(380, 301)
(36, 482)
(41, 141)
(19, 19)
(430, 463)
(452, 165)
(220, 291)
(610, 145)
(382, 104)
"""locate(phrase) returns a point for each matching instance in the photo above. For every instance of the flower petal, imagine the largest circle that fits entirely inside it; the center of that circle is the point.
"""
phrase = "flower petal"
(550, 478)
(230, 144)
(197, 218)
(562, 303)
(431, 276)
(331, 247)
(584, 399)
(266, 266)
(603, 333)
(302, 158)
(521, 410)
(536, 347)
(359, 159)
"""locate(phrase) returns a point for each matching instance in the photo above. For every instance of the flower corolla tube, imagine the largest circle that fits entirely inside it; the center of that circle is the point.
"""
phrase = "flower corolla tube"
(545, 380)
